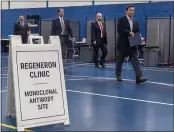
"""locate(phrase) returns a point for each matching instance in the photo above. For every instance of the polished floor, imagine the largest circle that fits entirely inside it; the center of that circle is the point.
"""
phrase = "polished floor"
(98, 103)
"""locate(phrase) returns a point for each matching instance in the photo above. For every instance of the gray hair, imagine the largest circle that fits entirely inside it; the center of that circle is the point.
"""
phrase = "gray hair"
(99, 14)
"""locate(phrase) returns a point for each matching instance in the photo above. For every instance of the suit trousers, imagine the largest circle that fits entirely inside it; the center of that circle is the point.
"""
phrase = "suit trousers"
(133, 56)
(103, 48)
(64, 43)
(24, 39)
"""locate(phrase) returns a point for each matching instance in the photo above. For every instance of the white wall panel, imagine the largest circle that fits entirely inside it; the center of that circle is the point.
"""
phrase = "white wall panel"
(4, 4)
(161, 0)
(105, 2)
(16, 4)
(66, 3)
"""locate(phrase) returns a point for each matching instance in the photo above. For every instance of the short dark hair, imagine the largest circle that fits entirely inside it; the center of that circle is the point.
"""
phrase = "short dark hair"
(127, 8)
(21, 15)
(59, 9)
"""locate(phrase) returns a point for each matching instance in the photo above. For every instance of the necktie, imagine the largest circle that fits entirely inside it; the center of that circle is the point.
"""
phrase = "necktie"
(101, 28)
(22, 24)
(63, 26)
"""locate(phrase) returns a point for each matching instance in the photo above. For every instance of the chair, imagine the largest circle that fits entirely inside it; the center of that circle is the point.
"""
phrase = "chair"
(72, 47)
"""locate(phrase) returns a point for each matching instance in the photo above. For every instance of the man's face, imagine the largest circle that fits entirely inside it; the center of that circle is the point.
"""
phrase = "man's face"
(130, 11)
(99, 17)
(21, 18)
(61, 13)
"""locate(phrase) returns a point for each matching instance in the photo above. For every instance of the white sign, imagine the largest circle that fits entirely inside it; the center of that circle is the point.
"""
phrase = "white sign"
(39, 85)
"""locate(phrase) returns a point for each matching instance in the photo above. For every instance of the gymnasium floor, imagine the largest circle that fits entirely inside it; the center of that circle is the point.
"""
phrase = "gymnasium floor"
(97, 102)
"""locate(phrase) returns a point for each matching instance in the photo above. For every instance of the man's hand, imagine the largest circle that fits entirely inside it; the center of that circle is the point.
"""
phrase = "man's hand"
(73, 39)
(94, 42)
(29, 32)
(29, 24)
(132, 34)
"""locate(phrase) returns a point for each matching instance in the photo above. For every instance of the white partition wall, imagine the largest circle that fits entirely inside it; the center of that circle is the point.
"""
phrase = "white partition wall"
(161, 0)
(66, 3)
(158, 34)
(88, 30)
(172, 42)
(46, 29)
(4, 5)
(111, 37)
(20, 4)
(103, 2)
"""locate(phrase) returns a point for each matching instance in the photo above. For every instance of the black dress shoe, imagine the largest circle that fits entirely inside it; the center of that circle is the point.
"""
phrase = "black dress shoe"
(102, 65)
(140, 80)
(119, 79)
(96, 66)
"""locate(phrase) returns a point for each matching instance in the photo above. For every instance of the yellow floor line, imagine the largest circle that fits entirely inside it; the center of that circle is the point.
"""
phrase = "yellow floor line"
(13, 127)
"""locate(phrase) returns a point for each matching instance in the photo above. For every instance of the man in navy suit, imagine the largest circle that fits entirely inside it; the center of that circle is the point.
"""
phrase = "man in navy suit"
(99, 40)
(22, 28)
(62, 28)
(127, 26)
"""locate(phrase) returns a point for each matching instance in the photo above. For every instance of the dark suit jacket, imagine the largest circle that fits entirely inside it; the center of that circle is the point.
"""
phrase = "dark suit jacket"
(96, 33)
(57, 29)
(123, 29)
(21, 30)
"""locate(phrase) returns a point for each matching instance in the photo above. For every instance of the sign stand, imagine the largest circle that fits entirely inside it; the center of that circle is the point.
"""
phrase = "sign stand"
(36, 92)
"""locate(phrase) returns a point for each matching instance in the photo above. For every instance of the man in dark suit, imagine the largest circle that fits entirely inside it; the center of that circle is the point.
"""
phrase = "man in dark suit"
(99, 40)
(22, 28)
(126, 27)
(62, 28)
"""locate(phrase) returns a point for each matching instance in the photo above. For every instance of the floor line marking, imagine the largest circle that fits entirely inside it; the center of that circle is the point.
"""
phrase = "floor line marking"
(4, 57)
(155, 68)
(3, 91)
(4, 74)
(128, 82)
(150, 69)
(153, 74)
(118, 97)
(75, 79)
(143, 68)
(128, 67)
(4, 67)
(13, 127)
(4, 77)
(159, 83)
(165, 84)
(77, 65)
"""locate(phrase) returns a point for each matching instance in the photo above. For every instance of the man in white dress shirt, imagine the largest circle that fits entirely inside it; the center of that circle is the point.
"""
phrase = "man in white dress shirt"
(126, 27)
(62, 28)
(99, 40)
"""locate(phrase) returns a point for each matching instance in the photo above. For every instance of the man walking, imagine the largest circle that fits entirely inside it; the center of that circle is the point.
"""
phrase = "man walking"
(126, 27)
(99, 40)
(22, 28)
(62, 28)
